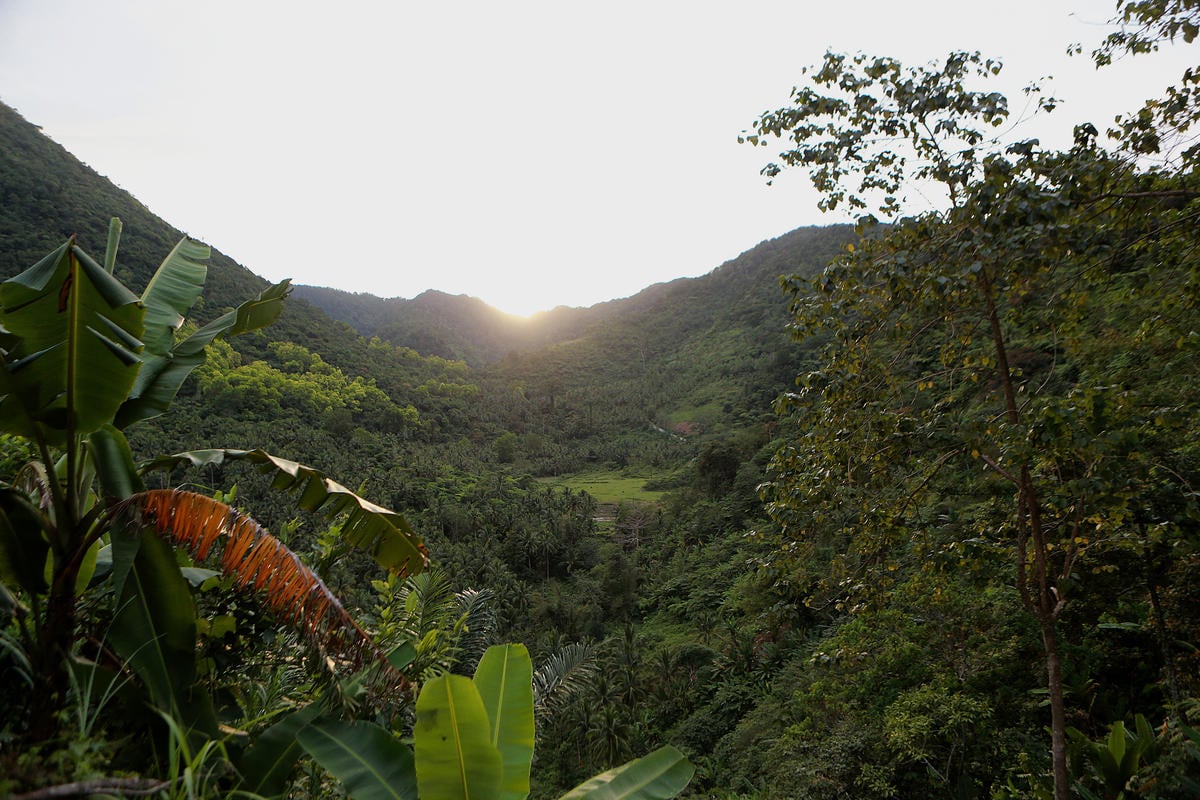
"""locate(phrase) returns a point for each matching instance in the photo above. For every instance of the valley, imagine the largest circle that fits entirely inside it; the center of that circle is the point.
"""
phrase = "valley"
(868, 511)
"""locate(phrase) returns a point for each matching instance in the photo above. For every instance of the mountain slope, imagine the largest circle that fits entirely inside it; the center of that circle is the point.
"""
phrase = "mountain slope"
(695, 354)
(701, 353)
(46, 195)
(741, 293)
(455, 326)
(450, 326)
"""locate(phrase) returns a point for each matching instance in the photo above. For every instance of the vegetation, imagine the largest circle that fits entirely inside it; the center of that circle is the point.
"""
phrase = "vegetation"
(922, 524)
(84, 358)
(990, 334)
(612, 487)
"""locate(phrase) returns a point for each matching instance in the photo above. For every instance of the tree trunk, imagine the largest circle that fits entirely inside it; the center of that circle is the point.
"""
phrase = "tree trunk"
(1045, 604)
(55, 636)
(1058, 711)
(1046, 609)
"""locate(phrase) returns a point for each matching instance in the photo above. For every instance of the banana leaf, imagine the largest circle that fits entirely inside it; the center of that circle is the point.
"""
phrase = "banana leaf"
(455, 757)
(268, 762)
(384, 534)
(23, 548)
(168, 364)
(72, 347)
(369, 762)
(172, 292)
(504, 679)
(154, 632)
(657, 776)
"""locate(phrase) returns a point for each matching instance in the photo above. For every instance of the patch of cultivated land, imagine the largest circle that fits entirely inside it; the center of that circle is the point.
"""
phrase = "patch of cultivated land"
(610, 486)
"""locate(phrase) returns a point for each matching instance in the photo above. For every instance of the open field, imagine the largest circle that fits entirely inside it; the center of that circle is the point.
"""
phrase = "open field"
(610, 486)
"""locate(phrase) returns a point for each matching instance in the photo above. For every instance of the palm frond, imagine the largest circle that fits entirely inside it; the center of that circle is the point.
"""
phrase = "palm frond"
(476, 627)
(567, 672)
(429, 602)
(258, 561)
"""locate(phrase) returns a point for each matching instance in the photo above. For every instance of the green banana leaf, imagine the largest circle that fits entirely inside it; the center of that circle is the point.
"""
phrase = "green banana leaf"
(114, 465)
(504, 679)
(74, 357)
(87, 567)
(115, 227)
(657, 776)
(23, 548)
(154, 632)
(384, 534)
(249, 316)
(268, 762)
(168, 365)
(369, 762)
(172, 292)
(402, 655)
(455, 757)
(118, 478)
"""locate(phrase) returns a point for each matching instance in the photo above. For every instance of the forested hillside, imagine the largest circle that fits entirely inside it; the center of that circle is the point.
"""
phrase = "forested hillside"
(451, 326)
(886, 511)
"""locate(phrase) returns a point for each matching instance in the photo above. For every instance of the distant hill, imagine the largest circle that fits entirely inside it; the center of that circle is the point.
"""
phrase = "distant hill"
(46, 194)
(701, 354)
(695, 355)
(451, 326)
(743, 291)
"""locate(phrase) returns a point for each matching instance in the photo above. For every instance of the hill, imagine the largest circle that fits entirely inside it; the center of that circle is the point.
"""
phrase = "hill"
(743, 292)
(593, 386)
(46, 195)
(694, 352)
(450, 326)
(975, 521)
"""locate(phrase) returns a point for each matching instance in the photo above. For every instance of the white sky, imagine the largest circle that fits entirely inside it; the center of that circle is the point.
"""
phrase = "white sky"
(528, 153)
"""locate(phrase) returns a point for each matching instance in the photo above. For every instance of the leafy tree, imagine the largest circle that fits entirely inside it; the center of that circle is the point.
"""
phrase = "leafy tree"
(963, 339)
(506, 447)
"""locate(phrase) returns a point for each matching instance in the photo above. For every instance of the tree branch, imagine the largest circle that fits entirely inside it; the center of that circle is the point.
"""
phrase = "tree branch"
(985, 458)
(1165, 194)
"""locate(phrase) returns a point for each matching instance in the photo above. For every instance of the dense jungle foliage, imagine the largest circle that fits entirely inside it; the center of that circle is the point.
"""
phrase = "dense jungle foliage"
(922, 523)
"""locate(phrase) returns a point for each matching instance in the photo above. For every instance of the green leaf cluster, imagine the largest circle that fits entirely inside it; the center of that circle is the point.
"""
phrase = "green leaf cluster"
(473, 738)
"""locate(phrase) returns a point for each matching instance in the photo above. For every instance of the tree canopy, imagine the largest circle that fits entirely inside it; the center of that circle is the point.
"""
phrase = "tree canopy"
(1009, 373)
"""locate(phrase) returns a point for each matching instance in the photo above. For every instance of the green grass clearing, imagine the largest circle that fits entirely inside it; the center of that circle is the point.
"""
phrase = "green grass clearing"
(609, 486)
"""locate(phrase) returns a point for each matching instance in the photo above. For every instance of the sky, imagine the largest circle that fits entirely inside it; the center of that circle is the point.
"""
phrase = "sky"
(530, 153)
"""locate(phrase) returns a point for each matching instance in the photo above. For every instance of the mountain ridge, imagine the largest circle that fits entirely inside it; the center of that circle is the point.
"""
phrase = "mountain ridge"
(695, 349)
(464, 327)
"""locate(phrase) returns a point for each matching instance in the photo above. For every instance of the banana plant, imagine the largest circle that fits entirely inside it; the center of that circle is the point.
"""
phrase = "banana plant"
(1113, 761)
(82, 358)
(473, 740)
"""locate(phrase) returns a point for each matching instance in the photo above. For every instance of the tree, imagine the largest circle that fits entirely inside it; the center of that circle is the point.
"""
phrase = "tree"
(506, 447)
(979, 336)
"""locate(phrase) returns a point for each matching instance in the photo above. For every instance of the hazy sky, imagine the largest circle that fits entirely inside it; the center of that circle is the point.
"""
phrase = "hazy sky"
(528, 153)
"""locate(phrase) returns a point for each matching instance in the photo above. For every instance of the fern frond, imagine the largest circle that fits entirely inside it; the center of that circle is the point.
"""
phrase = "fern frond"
(258, 561)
